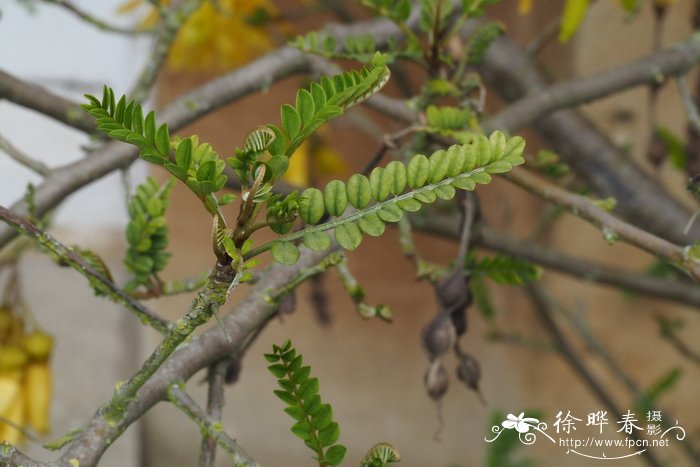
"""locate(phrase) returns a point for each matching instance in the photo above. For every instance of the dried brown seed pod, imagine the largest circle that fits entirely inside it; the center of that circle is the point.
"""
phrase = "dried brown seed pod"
(469, 371)
(436, 380)
(454, 297)
(438, 336)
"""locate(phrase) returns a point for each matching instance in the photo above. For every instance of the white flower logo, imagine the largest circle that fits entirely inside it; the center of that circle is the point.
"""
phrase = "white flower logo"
(520, 423)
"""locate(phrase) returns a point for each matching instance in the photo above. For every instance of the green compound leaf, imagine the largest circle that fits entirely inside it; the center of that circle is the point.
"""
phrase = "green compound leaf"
(325, 101)
(331, 434)
(348, 236)
(392, 190)
(147, 232)
(311, 206)
(335, 455)
(359, 191)
(317, 241)
(285, 252)
(196, 165)
(372, 225)
(313, 420)
(336, 198)
(417, 171)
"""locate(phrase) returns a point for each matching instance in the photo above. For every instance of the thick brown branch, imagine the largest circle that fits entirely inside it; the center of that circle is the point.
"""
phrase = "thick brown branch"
(686, 293)
(493, 239)
(250, 314)
(609, 224)
(513, 74)
(655, 68)
(37, 98)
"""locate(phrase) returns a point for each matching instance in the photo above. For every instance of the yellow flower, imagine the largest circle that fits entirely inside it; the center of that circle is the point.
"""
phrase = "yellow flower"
(524, 6)
(219, 35)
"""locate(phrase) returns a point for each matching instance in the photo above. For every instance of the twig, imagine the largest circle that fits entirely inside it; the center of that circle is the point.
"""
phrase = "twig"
(174, 287)
(24, 159)
(545, 310)
(582, 145)
(668, 332)
(390, 141)
(677, 291)
(215, 402)
(688, 102)
(10, 455)
(76, 262)
(167, 31)
(184, 402)
(654, 68)
(98, 23)
(617, 370)
(37, 98)
(548, 33)
(468, 202)
(611, 226)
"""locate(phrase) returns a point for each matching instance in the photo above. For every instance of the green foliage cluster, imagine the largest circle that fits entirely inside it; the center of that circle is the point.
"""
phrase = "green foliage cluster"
(502, 269)
(299, 390)
(147, 232)
(482, 39)
(361, 48)
(507, 270)
(380, 198)
(459, 123)
(196, 164)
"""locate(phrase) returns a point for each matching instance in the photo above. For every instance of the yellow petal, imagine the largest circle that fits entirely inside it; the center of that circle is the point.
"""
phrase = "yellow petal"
(16, 415)
(524, 6)
(298, 171)
(10, 387)
(37, 390)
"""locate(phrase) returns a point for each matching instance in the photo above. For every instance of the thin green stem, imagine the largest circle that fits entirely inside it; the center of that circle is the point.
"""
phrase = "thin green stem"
(333, 259)
(75, 261)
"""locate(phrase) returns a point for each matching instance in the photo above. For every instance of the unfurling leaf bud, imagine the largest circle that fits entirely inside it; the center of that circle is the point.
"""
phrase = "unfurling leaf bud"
(438, 336)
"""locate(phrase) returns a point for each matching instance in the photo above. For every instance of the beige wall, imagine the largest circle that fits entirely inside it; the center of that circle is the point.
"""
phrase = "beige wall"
(372, 372)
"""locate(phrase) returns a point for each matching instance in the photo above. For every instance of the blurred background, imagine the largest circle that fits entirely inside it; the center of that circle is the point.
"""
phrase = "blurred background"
(371, 371)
